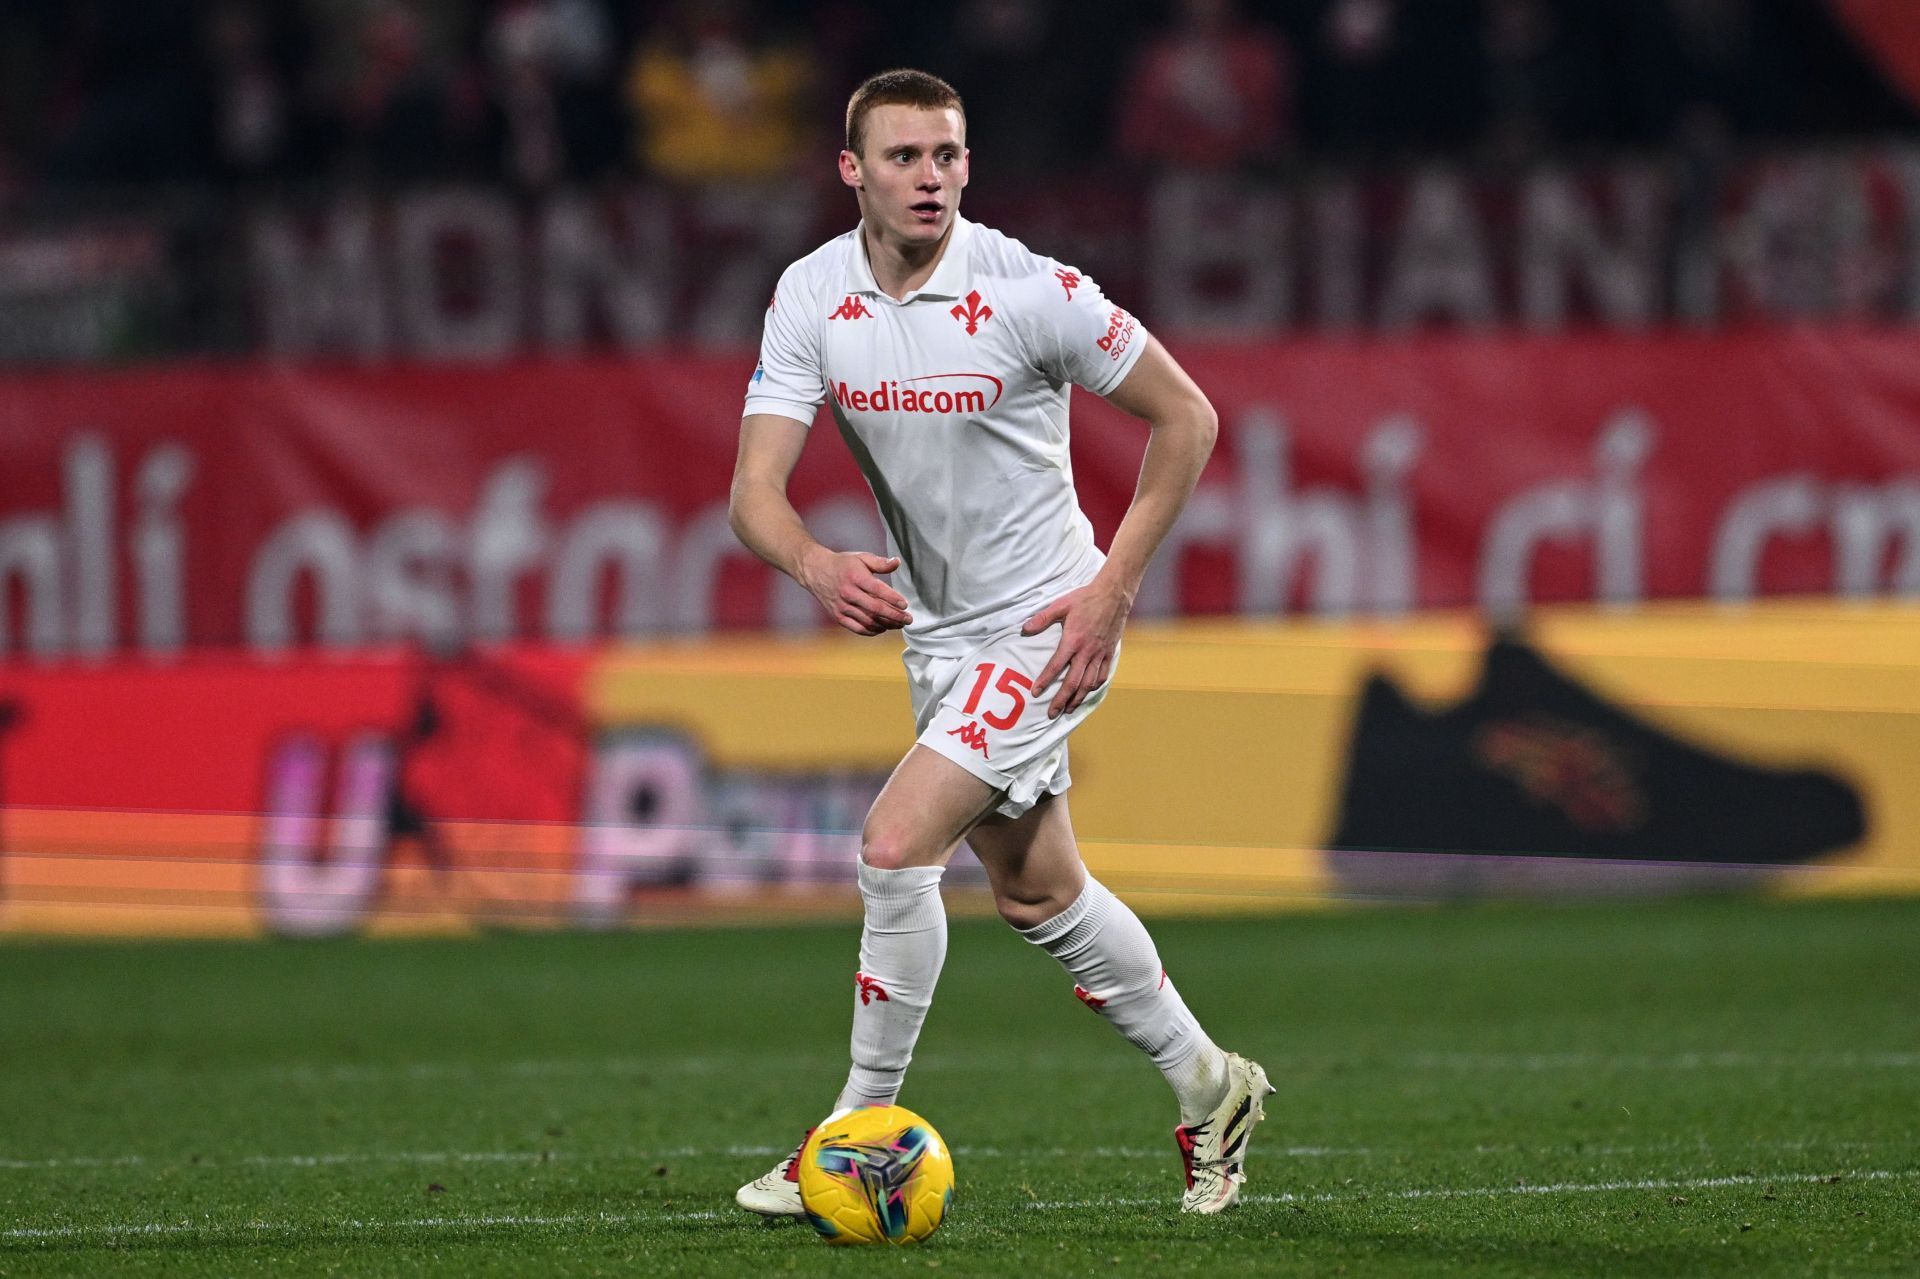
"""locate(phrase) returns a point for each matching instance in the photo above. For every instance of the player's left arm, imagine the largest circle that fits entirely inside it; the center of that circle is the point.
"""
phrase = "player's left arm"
(1182, 425)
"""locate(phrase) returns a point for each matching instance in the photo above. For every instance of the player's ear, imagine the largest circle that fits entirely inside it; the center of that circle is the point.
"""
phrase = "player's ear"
(966, 165)
(850, 169)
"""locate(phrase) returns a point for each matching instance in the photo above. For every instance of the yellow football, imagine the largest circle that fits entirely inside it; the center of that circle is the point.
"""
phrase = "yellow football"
(875, 1174)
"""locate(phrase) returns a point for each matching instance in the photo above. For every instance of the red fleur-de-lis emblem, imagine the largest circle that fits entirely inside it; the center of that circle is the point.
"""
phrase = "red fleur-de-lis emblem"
(1088, 998)
(973, 313)
(869, 989)
(971, 734)
(1069, 280)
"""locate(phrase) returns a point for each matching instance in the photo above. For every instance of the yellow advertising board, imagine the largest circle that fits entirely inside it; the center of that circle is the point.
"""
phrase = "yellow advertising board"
(725, 778)
(1211, 776)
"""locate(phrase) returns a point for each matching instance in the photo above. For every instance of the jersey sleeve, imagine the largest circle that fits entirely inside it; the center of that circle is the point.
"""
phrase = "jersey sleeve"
(788, 379)
(1076, 335)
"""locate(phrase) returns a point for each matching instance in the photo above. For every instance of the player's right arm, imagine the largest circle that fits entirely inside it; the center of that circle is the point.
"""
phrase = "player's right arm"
(847, 583)
(788, 387)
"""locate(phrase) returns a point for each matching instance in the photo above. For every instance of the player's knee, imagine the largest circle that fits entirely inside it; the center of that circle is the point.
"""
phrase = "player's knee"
(886, 849)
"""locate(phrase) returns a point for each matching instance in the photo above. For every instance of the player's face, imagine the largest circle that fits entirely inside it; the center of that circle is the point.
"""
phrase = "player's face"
(911, 172)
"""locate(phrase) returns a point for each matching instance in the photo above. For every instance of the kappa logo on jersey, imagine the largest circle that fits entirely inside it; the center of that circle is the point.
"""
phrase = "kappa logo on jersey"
(1069, 280)
(869, 990)
(854, 308)
(951, 393)
(971, 734)
(973, 313)
(1120, 330)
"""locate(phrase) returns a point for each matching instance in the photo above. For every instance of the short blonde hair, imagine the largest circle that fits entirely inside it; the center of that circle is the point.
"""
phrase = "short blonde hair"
(899, 88)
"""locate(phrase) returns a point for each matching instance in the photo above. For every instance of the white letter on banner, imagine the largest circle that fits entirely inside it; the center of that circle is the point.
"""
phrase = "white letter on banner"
(1791, 504)
(91, 544)
(329, 298)
(159, 548)
(1337, 262)
(1560, 238)
(1210, 518)
(481, 230)
(773, 220)
(1202, 228)
(1865, 522)
(628, 538)
(643, 823)
(409, 565)
(626, 270)
(308, 896)
(1865, 266)
(1440, 265)
(1619, 511)
(1549, 513)
(1610, 510)
(1279, 529)
(319, 542)
(1786, 247)
(30, 553)
(1392, 549)
(507, 538)
(705, 544)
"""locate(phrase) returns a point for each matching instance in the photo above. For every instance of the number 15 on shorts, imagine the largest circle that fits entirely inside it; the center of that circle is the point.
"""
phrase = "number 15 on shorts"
(1011, 683)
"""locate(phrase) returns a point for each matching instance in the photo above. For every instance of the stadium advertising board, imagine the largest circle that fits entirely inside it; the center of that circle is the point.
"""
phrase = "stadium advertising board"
(276, 508)
(1236, 766)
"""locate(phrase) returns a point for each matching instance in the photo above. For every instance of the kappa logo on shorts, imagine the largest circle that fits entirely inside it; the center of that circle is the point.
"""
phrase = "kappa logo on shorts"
(869, 989)
(973, 735)
(854, 308)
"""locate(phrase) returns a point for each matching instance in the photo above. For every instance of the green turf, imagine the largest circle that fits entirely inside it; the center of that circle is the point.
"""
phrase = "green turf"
(1492, 1091)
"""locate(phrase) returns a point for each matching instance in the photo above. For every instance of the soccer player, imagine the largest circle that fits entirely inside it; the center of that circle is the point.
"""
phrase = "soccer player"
(947, 352)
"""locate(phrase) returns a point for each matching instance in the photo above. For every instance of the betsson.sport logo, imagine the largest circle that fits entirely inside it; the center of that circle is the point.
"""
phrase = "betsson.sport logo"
(1120, 330)
(952, 393)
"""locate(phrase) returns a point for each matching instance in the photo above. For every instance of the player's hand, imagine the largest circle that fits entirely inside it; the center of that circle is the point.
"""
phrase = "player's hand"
(1091, 619)
(848, 586)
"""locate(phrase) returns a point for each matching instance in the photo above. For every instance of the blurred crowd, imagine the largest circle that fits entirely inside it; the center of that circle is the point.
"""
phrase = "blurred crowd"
(536, 93)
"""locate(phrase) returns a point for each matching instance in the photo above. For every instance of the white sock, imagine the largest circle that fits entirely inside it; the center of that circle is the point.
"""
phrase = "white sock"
(1112, 959)
(902, 945)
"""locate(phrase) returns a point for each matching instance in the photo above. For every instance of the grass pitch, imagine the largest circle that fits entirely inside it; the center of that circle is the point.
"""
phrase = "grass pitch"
(1693, 1088)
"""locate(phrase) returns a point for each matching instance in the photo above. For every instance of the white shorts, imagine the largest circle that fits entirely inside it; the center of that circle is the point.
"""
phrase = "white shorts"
(981, 712)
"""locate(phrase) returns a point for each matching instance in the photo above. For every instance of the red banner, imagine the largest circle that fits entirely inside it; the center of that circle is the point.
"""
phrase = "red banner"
(273, 508)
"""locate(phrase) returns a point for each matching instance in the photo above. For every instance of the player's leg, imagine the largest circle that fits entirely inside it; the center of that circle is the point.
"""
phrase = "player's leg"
(1043, 890)
(913, 828)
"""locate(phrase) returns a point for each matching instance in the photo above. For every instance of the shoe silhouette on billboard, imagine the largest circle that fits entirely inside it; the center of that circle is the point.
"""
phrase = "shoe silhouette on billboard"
(1534, 782)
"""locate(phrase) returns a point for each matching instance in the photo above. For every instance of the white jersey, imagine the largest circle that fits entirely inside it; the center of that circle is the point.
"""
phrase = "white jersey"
(954, 403)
